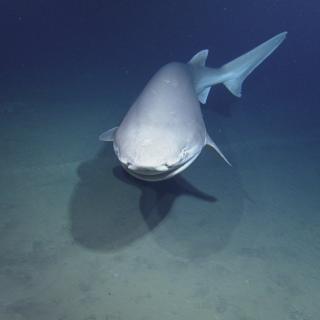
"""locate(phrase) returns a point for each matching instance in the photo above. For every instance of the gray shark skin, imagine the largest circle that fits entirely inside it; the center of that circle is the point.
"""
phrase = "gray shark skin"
(164, 132)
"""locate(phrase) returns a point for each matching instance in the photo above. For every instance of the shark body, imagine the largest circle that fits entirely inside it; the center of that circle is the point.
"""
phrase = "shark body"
(164, 132)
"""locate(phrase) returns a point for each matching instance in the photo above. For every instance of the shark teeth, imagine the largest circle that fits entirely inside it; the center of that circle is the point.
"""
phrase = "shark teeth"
(148, 169)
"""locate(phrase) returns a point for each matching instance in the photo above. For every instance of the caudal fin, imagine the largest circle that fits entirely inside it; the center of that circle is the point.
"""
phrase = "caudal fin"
(238, 69)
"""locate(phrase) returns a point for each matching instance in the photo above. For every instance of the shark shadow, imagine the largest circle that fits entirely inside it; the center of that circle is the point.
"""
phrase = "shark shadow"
(109, 209)
(157, 198)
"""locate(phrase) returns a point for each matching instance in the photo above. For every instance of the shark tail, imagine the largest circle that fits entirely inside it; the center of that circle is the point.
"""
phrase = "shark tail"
(231, 74)
(234, 72)
(238, 69)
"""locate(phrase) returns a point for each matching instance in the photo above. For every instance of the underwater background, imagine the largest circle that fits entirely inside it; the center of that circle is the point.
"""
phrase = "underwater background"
(80, 239)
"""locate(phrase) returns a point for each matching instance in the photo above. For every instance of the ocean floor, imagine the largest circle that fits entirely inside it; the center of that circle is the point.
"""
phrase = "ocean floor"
(81, 240)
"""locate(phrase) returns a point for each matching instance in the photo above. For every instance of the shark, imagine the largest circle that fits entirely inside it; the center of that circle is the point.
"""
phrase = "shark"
(164, 132)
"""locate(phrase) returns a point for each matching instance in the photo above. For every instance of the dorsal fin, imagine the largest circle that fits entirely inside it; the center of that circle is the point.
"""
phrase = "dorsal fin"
(200, 58)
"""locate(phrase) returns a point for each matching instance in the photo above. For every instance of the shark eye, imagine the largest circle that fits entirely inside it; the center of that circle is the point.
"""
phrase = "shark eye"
(116, 149)
(184, 153)
(182, 157)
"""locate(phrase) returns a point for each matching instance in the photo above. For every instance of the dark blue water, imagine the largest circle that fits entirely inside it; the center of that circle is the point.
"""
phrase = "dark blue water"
(80, 239)
(70, 39)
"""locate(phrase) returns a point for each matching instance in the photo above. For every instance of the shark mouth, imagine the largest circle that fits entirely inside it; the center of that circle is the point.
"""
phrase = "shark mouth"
(156, 175)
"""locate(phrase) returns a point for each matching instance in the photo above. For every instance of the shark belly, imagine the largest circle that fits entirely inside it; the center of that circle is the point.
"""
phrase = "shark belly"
(164, 128)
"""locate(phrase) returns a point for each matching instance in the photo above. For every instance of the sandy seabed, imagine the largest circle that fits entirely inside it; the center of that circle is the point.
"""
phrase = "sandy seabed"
(80, 239)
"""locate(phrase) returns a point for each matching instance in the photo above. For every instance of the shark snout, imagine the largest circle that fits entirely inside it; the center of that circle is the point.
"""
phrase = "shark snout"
(144, 168)
(151, 169)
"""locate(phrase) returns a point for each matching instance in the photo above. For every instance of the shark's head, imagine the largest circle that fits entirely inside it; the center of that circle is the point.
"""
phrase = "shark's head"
(153, 157)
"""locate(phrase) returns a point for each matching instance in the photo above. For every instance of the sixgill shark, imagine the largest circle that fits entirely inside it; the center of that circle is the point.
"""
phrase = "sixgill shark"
(164, 132)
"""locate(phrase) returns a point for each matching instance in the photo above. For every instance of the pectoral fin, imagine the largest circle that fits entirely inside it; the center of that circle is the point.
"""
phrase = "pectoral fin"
(108, 135)
(210, 143)
(203, 95)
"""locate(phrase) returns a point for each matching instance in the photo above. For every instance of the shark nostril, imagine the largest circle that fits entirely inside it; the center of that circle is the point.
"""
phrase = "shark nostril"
(124, 162)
